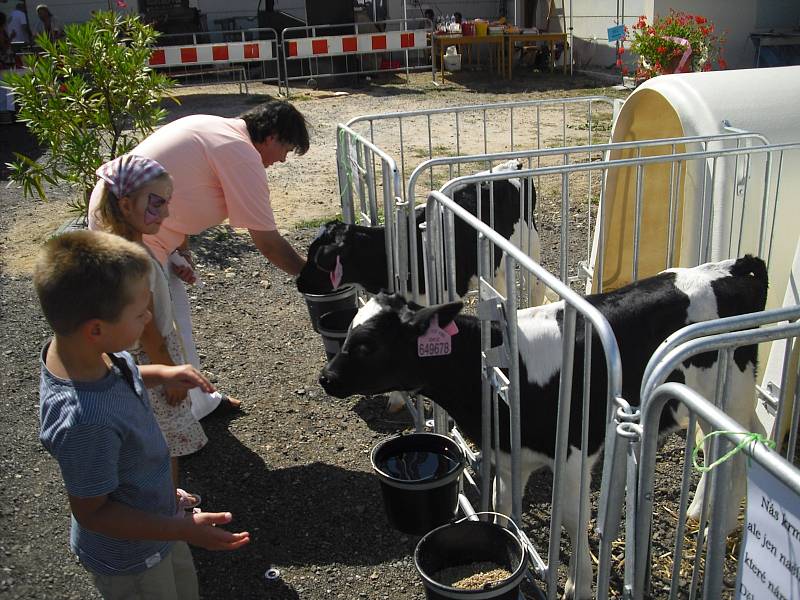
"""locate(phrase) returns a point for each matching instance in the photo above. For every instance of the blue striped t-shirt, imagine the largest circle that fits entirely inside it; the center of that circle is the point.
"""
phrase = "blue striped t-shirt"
(106, 440)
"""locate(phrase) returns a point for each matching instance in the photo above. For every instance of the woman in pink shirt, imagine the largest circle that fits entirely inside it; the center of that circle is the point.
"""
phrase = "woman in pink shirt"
(218, 166)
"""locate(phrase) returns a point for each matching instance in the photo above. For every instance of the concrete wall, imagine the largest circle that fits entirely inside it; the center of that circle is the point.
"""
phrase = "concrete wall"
(590, 22)
(737, 18)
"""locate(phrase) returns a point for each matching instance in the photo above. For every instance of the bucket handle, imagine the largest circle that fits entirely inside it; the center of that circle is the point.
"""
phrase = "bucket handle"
(520, 535)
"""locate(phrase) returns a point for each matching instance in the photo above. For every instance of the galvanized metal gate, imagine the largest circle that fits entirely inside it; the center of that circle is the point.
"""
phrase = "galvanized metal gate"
(760, 161)
(737, 171)
(723, 336)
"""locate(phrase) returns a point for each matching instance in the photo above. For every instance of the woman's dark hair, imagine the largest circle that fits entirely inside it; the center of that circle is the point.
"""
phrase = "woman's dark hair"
(278, 118)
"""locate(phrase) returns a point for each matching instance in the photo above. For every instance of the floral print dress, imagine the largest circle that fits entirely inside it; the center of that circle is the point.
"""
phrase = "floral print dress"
(183, 432)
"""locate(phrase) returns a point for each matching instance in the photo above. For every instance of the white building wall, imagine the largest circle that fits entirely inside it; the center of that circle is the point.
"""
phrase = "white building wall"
(738, 18)
(590, 22)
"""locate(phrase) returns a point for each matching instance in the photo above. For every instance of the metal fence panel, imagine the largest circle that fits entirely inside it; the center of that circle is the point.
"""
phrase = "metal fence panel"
(216, 57)
(396, 45)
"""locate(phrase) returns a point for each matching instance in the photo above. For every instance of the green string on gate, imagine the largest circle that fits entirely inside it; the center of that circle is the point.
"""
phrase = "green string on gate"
(750, 438)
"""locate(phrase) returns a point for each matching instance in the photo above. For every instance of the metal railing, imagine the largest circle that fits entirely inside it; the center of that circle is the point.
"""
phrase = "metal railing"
(402, 45)
(728, 184)
(590, 181)
(486, 128)
(387, 132)
(500, 366)
(708, 544)
(216, 57)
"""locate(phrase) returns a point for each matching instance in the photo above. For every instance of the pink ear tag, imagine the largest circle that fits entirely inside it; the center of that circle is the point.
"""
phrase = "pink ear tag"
(336, 274)
(436, 341)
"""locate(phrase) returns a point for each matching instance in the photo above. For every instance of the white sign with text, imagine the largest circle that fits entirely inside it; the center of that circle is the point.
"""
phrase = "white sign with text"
(769, 564)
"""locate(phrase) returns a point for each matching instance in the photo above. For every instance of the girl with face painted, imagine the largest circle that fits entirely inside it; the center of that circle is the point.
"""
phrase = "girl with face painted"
(135, 200)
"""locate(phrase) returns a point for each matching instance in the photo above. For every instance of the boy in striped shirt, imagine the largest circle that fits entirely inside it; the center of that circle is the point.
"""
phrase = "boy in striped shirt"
(97, 422)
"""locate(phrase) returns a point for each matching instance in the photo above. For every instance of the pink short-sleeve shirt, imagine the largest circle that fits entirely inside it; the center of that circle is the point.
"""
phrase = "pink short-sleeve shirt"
(217, 174)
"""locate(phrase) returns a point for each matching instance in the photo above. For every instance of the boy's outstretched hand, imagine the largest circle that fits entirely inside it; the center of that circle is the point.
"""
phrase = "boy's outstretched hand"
(201, 532)
(183, 377)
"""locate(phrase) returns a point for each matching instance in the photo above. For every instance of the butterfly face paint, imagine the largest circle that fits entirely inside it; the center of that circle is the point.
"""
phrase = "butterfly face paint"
(155, 203)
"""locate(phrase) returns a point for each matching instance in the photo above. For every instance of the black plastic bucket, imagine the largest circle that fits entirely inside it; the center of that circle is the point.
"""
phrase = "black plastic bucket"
(420, 475)
(319, 304)
(333, 328)
(466, 543)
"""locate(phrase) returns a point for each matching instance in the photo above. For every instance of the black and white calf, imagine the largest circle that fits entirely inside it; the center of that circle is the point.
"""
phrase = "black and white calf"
(358, 253)
(386, 350)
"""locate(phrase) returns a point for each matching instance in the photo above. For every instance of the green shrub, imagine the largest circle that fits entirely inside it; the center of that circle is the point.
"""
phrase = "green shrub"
(87, 98)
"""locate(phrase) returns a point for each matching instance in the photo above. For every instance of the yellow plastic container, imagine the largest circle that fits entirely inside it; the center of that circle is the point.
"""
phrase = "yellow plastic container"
(481, 27)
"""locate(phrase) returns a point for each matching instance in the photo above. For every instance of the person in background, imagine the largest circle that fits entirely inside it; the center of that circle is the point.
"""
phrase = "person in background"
(47, 24)
(17, 26)
(96, 421)
(6, 51)
(457, 17)
(218, 172)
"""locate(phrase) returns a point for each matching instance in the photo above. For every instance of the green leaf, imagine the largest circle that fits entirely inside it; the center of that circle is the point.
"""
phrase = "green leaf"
(87, 98)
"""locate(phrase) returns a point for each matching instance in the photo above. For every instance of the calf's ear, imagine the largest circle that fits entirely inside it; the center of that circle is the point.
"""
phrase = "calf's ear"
(421, 319)
(326, 256)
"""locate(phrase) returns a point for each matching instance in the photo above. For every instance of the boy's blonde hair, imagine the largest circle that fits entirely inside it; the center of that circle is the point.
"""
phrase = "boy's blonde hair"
(83, 275)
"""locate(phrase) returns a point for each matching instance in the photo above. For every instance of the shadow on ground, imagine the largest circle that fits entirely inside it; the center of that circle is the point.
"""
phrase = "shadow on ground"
(372, 410)
(218, 245)
(15, 138)
(297, 516)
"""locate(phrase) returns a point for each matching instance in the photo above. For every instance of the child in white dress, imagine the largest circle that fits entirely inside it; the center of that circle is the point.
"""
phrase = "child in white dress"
(135, 201)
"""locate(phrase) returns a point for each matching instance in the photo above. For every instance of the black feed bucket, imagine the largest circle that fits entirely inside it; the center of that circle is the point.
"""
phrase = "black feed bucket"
(420, 475)
(319, 304)
(333, 328)
(467, 548)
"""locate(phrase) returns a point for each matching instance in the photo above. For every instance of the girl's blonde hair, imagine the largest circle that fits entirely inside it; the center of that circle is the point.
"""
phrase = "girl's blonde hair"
(108, 213)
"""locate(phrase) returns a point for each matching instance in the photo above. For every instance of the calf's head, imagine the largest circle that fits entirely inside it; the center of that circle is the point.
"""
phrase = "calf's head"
(380, 353)
(327, 250)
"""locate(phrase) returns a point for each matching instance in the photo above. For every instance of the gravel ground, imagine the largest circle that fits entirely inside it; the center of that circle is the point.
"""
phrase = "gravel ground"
(293, 468)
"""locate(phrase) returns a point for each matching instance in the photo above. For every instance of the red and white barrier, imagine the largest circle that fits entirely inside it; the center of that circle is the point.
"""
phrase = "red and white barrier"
(206, 54)
(342, 45)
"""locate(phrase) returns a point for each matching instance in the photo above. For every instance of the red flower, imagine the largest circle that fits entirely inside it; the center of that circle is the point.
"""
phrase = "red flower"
(661, 50)
(699, 20)
(619, 62)
(624, 70)
(723, 64)
(621, 50)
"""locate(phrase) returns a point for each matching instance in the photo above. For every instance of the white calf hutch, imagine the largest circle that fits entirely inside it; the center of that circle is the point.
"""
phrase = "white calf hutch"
(696, 170)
